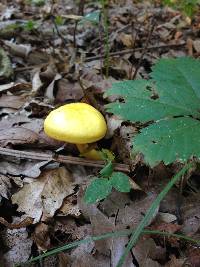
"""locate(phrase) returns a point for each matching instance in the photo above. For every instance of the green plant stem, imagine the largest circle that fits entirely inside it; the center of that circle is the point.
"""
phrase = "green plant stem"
(104, 236)
(136, 234)
(106, 45)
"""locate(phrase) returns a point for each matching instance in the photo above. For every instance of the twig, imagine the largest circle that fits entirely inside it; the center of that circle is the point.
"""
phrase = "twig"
(57, 30)
(144, 49)
(130, 51)
(106, 44)
(80, 13)
(134, 38)
(60, 158)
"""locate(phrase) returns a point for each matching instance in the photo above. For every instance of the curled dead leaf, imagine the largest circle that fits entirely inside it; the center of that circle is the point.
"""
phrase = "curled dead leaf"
(45, 195)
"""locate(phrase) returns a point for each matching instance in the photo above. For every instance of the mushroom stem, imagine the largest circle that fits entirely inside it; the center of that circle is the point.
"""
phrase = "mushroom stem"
(88, 151)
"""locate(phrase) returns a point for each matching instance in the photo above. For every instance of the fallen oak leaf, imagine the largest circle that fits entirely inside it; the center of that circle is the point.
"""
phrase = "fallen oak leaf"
(24, 223)
(17, 136)
(45, 195)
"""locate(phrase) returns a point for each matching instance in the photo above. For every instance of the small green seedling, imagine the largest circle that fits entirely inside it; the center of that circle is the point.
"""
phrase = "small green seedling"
(59, 20)
(101, 186)
(31, 25)
(37, 2)
(189, 7)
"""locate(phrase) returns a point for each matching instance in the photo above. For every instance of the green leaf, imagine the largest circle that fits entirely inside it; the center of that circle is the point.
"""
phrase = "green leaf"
(120, 181)
(92, 17)
(169, 140)
(107, 154)
(99, 189)
(59, 20)
(171, 93)
(31, 25)
(107, 170)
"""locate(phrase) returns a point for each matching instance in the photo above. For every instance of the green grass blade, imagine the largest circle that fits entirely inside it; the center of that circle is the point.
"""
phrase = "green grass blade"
(179, 236)
(108, 235)
(136, 234)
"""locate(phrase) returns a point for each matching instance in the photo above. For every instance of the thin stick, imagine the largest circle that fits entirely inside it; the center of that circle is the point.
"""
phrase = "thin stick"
(130, 51)
(144, 49)
(60, 158)
(57, 30)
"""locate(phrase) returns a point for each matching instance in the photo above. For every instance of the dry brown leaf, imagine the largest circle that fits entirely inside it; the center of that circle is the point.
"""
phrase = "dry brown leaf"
(49, 93)
(68, 227)
(13, 119)
(196, 44)
(102, 224)
(147, 252)
(20, 50)
(166, 217)
(126, 39)
(12, 101)
(127, 212)
(19, 246)
(41, 236)
(70, 207)
(113, 123)
(118, 247)
(36, 81)
(5, 186)
(24, 223)
(174, 262)
(38, 109)
(17, 136)
(191, 215)
(194, 256)
(87, 260)
(63, 260)
(44, 196)
(167, 227)
(68, 91)
(15, 87)
(21, 167)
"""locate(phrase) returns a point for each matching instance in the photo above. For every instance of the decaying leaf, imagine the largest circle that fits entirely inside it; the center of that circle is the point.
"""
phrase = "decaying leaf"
(17, 135)
(5, 65)
(5, 186)
(41, 236)
(11, 101)
(26, 168)
(44, 196)
(147, 253)
(70, 207)
(124, 208)
(19, 245)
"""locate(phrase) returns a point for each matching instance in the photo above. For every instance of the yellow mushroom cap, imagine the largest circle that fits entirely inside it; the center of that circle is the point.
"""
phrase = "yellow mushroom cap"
(77, 123)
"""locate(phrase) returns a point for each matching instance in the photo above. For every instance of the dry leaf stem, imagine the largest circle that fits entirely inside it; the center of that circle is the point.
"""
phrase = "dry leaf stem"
(60, 158)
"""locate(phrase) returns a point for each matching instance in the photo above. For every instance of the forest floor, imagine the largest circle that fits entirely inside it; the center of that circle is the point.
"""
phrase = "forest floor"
(50, 56)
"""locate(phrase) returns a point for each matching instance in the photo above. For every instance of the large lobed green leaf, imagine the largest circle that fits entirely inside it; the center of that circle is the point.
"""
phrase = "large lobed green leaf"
(173, 90)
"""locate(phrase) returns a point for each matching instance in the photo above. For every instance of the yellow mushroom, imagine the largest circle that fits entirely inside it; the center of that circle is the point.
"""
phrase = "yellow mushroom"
(77, 123)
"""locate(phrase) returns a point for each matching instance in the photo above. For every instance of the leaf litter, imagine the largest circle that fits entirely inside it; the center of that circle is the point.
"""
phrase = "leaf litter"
(44, 65)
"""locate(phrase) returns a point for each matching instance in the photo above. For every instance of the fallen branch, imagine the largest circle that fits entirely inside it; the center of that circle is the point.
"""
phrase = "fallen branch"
(130, 51)
(60, 158)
